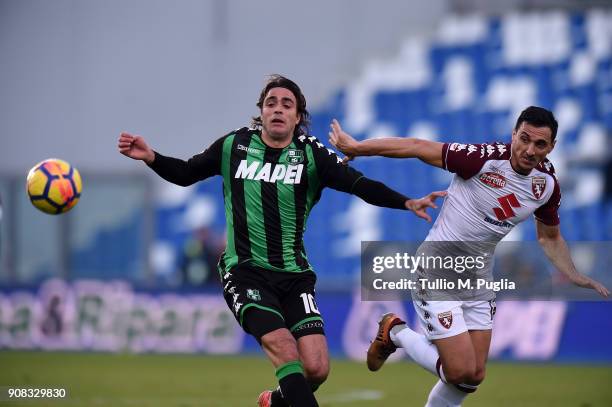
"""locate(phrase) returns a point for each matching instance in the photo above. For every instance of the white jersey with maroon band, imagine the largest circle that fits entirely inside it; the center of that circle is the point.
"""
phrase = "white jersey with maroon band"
(487, 198)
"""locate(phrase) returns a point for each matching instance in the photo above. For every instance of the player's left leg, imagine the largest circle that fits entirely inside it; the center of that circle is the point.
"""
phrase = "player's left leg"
(481, 339)
(479, 320)
(478, 316)
(445, 394)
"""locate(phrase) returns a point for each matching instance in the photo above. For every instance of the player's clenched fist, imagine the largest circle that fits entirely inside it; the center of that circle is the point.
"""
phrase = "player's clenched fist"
(135, 147)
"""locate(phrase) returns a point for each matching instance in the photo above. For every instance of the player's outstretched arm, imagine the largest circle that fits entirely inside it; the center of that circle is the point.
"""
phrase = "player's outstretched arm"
(558, 253)
(177, 171)
(393, 147)
(419, 206)
(135, 147)
(378, 194)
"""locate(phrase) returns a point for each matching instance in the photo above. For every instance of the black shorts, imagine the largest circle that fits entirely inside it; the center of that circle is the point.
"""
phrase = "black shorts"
(264, 300)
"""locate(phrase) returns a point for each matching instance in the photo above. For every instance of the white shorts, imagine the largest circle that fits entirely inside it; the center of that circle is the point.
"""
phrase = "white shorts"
(443, 319)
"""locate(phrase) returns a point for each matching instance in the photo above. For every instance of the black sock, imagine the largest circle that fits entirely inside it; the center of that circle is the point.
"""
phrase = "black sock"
(296, 391)
(277, 399)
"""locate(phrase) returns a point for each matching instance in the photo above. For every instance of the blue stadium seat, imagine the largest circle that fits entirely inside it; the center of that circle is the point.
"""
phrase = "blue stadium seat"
(113, 254)
(592, 218)
(607, 223)
(393, 107)
(578, 34)
(569, 225)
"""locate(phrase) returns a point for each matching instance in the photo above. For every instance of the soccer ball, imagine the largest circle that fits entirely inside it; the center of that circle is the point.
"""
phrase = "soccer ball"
(54, 186)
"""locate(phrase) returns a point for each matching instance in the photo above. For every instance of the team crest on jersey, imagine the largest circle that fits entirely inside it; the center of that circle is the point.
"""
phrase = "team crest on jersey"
(538, 185)
(295, 156)
(493, 179)
(253, 294)
(446, 319)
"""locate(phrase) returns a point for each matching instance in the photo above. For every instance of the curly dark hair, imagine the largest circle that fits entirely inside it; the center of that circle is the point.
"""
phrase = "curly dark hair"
(279, 81)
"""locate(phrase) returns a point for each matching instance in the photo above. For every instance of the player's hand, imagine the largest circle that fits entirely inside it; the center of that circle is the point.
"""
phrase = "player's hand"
(600, 288)
(135, 147)
(419, 206)
(343, 141)
(583, 281)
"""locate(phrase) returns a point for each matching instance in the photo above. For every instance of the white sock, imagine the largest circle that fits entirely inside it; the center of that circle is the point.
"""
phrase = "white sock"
(418, 347)
(445, 395)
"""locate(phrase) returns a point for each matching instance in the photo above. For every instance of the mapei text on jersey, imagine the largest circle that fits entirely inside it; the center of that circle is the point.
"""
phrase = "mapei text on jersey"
(288, 174)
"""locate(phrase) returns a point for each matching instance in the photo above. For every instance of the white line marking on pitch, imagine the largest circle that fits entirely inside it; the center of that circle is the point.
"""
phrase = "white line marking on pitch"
(353, 395)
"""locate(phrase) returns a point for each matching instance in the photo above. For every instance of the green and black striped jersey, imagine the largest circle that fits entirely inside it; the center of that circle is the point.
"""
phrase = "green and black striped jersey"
(268, 193)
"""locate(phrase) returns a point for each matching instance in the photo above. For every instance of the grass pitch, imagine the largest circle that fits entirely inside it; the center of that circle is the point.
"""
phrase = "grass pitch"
(190, 381)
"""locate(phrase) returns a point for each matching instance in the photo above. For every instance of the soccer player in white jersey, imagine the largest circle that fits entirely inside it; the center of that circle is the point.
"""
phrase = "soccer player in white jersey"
(495, 187)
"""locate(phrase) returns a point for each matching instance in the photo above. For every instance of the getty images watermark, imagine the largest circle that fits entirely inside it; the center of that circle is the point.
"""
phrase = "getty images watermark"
(416, 264)
(465, 271)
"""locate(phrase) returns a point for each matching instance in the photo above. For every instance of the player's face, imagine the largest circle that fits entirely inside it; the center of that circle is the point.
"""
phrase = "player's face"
(530, 146)
(279, 114)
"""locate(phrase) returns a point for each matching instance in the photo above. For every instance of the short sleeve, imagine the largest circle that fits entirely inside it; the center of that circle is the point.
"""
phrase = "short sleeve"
(548, 213)
(466, 160)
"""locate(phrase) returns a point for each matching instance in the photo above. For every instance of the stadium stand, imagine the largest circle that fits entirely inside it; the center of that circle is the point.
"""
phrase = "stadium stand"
(467, 84)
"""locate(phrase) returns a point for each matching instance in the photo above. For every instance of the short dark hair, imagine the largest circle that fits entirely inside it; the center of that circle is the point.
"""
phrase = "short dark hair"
(279, 81)
(538, 117)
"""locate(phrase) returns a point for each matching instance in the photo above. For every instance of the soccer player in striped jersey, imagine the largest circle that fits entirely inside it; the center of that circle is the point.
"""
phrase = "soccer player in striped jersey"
(496, 186)
(273, 175)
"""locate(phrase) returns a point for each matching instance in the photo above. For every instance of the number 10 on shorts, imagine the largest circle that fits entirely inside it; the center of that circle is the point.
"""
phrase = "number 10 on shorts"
(309, 303)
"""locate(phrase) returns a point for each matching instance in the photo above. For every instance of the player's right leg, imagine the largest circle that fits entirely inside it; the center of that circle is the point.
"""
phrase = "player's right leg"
(444, 324)
(448, 350)
(256, 307)
(393, 333)
(305, 323)
(456, 352)
(281, 348)
(478, 317)
(446, 335)
(382, 346)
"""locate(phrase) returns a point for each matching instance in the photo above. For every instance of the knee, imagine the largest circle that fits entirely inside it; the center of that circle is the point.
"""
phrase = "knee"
(477, 378)
(458, 375)
(316, 372)
(282, 347)
(465, 375)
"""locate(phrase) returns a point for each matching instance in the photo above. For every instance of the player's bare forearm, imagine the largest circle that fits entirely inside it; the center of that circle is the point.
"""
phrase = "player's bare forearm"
(557, 251)
(392, 147)
(397, 147)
